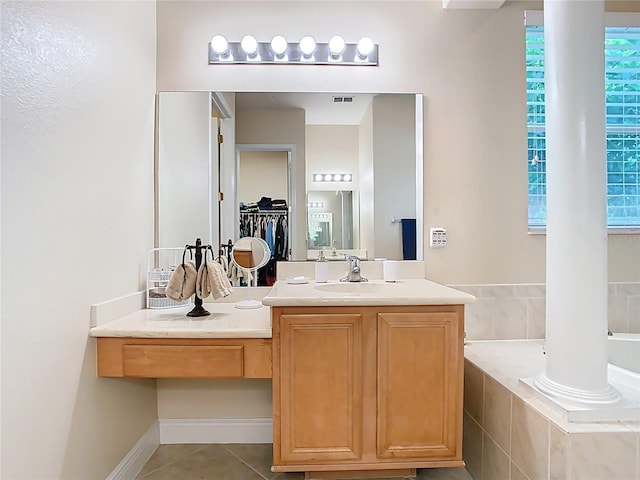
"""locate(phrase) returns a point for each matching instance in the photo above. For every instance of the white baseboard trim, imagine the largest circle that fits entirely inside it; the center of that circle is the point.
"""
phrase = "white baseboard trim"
(135, 459)
(216, 430)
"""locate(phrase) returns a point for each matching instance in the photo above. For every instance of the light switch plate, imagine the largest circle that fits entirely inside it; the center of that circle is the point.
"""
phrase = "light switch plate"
(437, 237)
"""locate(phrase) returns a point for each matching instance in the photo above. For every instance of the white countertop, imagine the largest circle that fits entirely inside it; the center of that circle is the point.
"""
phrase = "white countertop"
(225, 321)
(375, 292)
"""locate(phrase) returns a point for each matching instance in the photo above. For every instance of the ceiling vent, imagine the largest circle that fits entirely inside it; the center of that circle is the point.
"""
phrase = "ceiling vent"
(342, 99)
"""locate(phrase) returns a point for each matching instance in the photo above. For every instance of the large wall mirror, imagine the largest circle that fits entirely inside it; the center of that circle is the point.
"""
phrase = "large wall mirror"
(341, 172)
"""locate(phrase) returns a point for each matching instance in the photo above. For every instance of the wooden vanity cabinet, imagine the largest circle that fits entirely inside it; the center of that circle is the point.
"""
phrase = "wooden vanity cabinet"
(367, 388)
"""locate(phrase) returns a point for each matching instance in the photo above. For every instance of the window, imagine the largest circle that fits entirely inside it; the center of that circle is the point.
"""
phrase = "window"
(622, 92)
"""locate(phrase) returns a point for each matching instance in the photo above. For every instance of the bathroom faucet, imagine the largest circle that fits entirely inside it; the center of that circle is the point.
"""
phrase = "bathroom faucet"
(353, 275)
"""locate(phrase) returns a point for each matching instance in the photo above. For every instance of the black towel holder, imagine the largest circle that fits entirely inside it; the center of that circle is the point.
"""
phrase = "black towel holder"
(198, 310)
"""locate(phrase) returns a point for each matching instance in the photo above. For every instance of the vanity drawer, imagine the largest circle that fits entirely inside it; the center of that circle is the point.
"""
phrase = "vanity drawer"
(184, 358)
(171, 361)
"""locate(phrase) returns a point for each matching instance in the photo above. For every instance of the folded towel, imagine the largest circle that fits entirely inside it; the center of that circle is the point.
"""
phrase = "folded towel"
(182, 283)
(212, 280)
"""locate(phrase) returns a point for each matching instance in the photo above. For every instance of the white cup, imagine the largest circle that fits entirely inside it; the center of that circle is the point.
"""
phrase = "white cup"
(390, 270)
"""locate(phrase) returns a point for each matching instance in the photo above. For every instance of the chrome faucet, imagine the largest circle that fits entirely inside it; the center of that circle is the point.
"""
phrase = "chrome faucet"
(353, 275)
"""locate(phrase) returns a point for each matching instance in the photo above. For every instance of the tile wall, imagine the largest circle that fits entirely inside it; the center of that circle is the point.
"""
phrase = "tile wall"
(517, 311)
(506, 439)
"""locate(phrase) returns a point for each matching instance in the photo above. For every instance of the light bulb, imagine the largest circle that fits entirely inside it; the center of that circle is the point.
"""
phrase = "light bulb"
(317, 177)
(365, 46)
(337, 177)
(328, 177)
(346, 177)
(307, 46)
(279, 45)
(336, 45)
(219, 44)
(249, 44)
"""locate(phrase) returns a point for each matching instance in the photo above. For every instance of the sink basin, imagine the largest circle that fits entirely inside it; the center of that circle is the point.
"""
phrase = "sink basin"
(352, 287)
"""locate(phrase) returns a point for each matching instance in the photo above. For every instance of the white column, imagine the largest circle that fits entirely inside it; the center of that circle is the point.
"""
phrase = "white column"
(576, 332)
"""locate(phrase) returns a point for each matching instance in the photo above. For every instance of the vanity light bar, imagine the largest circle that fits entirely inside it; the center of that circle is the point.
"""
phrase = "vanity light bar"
(332, 177)
(306, 52)
(315, 205)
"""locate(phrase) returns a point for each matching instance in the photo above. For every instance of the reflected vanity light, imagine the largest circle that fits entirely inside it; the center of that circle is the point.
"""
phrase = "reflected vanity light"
(332, 177)
(315, 205)
(305, 52)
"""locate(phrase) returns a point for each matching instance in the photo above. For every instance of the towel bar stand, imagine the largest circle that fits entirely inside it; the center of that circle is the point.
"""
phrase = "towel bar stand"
(198, 310)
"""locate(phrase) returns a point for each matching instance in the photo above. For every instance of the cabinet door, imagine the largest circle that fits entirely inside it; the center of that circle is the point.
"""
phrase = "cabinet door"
(419, 385)
(321, 387)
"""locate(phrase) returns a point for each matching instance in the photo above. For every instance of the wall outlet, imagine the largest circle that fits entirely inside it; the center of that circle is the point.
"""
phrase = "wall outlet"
(437, 237)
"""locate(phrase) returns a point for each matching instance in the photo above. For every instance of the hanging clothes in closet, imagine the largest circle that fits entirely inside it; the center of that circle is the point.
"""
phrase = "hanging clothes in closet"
(272, 227)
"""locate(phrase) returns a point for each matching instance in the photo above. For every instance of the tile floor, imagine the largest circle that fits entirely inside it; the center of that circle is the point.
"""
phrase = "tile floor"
(239, 462)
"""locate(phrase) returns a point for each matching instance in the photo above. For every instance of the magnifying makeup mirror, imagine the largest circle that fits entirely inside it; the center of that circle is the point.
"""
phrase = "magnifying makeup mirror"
(250, 254)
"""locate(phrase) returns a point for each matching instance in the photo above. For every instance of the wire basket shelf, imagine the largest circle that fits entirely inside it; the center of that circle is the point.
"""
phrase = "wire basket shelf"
(161, 264)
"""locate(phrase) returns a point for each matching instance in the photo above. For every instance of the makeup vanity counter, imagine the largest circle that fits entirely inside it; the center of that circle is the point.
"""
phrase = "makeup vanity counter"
(228, 343)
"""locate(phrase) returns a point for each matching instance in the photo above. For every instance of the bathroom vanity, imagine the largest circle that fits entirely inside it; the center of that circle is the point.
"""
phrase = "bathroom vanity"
(367, 377)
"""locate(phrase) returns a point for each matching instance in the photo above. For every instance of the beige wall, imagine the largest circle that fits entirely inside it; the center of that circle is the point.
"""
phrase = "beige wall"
(332, 149)
(237, 398)
(77, 222)
(394, 170)
(262, 174)
(469, 64)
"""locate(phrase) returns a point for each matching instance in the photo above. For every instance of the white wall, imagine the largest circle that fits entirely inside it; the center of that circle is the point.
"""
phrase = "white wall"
(469, 64)
(77, 220)
(184, 204)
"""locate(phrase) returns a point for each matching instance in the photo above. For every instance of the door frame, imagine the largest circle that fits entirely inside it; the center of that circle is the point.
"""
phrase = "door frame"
(290, 149)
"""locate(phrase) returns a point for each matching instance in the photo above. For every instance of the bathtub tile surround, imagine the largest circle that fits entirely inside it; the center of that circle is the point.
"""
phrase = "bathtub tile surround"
(529, 440)
(517, 311)
(502, 419)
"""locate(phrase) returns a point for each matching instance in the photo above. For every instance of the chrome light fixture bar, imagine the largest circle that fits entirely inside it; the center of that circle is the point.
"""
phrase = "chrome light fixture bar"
(278, 51)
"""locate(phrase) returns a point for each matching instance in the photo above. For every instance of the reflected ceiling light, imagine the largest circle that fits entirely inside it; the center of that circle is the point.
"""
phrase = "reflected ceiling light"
(250, 45)
(279, 46)
(306, 52)
(364, 47)
(332, 177)
(220, 45)
(307, 46)
(336, 46)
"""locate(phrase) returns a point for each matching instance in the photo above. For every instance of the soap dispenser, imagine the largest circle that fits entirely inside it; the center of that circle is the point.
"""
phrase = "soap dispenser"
(322, 268)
